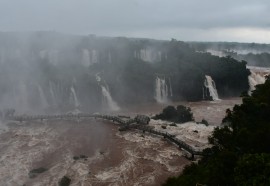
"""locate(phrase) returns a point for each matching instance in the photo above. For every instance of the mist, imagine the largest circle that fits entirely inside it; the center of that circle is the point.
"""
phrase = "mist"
(51, 72)
(117, 92)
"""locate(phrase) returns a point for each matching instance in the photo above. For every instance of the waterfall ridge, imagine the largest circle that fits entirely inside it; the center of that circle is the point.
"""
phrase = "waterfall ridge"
(211, 86)
(162, 92)
(74, 96)
(108, 100)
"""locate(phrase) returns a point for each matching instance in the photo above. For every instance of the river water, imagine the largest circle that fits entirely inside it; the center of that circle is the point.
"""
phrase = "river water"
(114, 158)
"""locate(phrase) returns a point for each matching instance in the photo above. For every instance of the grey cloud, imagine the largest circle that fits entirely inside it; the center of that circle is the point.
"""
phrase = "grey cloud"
(126, 17)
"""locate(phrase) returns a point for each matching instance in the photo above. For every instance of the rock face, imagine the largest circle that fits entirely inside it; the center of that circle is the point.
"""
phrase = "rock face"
(142, 119)
(58, 73)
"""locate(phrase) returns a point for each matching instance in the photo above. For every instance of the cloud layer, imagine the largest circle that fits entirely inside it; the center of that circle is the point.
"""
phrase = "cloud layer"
(208, 20)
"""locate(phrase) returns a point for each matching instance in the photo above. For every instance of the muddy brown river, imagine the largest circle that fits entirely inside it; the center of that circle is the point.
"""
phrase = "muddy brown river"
(110, 157)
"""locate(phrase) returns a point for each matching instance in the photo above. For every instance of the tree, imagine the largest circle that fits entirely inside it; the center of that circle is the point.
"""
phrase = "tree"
(240, 154)
(181, 114)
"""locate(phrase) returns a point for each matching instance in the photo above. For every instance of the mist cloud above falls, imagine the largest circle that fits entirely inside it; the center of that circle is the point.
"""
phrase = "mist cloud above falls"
(241, 20)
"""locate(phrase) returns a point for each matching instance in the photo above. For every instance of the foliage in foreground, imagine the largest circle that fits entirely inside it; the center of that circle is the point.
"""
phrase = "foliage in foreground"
(241, 150)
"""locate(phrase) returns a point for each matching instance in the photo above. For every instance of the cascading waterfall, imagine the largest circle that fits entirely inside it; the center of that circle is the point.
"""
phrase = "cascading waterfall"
(85, 57)
(23, 97)
(171, 87)
(111, 103)
(161, 90)
(211, 86)
(74, 97)
(108, 100)
(109, 58)
(43, 99)
(52, 94)
(255, 79)
(94, 57)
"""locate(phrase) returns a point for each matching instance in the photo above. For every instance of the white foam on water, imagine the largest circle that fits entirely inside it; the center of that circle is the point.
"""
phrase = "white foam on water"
(20, 152)
(190, 132)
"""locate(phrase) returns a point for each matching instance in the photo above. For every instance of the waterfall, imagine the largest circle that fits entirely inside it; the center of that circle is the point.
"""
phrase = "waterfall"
(53, 56)
(171, 87)
(108, 100)
(211, 86)
(255, 79)
(52, 94)
(43, 99)
(23, 97)
(85, 57)
(161, 90)
(94, 58)
(74, 96)
(109, 57)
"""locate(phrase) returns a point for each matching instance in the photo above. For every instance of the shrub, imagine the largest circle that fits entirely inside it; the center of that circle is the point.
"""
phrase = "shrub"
(180, 114)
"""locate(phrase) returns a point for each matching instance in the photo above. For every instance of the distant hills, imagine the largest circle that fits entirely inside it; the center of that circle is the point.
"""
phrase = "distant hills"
(254, 53)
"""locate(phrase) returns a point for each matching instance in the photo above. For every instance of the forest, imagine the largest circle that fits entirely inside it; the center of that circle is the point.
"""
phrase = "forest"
(240, 152)
(254, 54)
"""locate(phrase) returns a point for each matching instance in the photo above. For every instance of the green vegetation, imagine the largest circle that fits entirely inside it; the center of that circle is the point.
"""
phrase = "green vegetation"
(180, 114)
(239, 51)
(241, 150)
(262, 59)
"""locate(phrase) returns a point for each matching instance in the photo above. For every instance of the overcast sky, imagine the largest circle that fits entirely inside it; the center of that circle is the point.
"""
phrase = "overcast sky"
(188, 20)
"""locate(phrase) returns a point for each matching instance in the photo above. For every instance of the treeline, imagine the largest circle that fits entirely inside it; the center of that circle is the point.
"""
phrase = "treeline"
(240, 154)
(261, 59)
(231, 46)
(253, 53)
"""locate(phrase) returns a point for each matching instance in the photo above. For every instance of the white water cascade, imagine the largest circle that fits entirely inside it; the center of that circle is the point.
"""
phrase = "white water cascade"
(211, 86)
(255, 79)
(53, 98)
(111, 103)
(43, 99)
(162, 92)
(22, 103)
(74, 96)
(85, 57)
(108, 100)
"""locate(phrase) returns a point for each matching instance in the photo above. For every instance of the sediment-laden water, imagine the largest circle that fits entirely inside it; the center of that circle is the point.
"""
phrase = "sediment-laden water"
(113, 157)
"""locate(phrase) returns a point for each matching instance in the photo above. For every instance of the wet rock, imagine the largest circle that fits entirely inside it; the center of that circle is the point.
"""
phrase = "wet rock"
(101, 152)
(76, 157)
(65, 181)
(163, 126)
(80, 157)
(173, 125)
(35, 172)
(83, 157)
